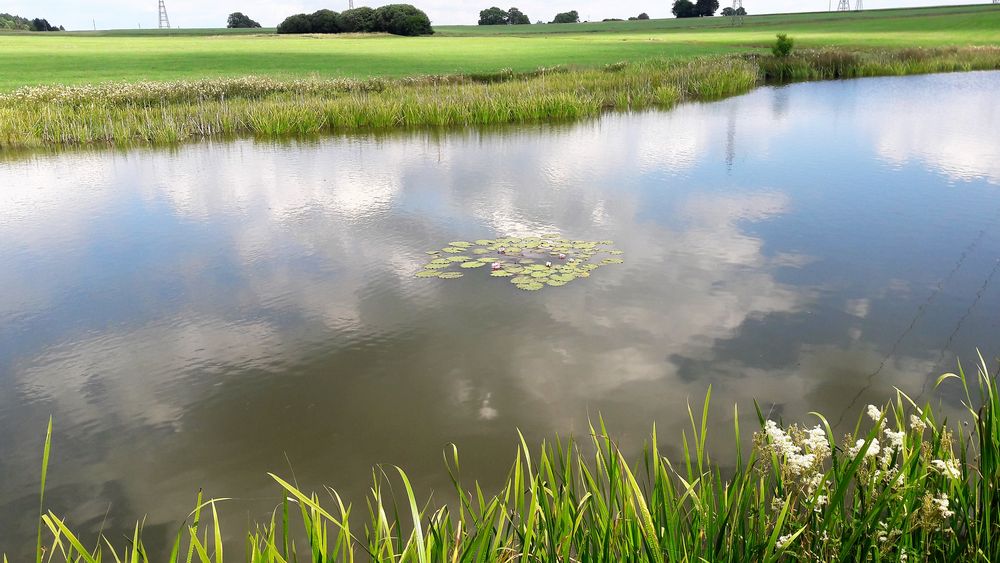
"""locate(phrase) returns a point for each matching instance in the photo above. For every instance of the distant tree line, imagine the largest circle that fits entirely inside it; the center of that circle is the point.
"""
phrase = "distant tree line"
(10, 22)
(239, 20)
(727, 11)
(642, 16)
(697, 9)
(397, 19)
(496, 16)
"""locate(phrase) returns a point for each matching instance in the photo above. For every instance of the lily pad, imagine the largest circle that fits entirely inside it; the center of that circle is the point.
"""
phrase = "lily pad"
(436, 266)
(428, 274)
(555, 283)
(539, 274)
(460, 244)
(522, 279)
(451, 275)
(480, 251)
(484, 242)
(452, 250)
(501, 273)
(533, 286)
(612, 261)
(473, 264)
(459, 259)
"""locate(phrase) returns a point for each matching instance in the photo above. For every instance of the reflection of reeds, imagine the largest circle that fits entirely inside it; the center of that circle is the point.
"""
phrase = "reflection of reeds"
(167, 112)
(903, 487)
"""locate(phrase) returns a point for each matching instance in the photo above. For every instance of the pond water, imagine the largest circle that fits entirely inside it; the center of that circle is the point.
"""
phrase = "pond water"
(197, 316)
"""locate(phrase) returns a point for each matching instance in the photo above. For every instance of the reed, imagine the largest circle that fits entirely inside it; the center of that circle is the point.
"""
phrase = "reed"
(901, 487)
(124, 114)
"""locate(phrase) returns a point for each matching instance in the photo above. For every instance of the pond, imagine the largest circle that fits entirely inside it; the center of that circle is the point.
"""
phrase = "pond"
(194, 317)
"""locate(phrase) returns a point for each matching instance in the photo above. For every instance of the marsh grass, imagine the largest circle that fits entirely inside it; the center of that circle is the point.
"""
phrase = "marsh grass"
(902, 486)
(126, 114)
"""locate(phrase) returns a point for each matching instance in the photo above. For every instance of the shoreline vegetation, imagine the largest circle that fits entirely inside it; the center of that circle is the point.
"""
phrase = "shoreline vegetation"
(154, 113)
(902, 486)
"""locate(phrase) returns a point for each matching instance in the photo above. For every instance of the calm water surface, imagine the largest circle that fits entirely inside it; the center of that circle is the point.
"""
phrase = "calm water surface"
(195, 317)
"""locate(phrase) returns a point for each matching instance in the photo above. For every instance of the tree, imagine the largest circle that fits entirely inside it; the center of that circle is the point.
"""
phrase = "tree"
(358, 20)
(684, 9)
(40, 24)
(783, 46)
(325, 21)
(402, 19)
(741, 11)
(644, 16)
(493, 16)
(728, 12)
(299, 23)
(239, 20)
(517, 17)
(567, 17)
(706, 8)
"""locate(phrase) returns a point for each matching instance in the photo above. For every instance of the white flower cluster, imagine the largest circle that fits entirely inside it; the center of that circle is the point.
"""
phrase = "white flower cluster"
(941, 504)
(801, 461)
(948, 468)
(872, 451)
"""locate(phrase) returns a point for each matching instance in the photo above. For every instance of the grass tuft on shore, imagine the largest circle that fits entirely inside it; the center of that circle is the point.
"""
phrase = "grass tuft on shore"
(125, 114)
(902, 486)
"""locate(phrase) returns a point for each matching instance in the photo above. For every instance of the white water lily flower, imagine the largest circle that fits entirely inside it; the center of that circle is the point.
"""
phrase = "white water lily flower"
(948, 468)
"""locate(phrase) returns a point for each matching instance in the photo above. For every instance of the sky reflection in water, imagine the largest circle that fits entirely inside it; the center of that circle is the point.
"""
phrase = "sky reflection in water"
(192, 316)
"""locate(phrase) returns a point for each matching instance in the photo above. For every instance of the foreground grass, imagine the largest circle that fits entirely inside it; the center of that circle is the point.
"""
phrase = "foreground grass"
(93, 57)
(902, 486)
(157, 112)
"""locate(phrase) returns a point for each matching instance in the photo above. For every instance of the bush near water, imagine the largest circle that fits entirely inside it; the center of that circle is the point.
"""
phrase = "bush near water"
(397, 19)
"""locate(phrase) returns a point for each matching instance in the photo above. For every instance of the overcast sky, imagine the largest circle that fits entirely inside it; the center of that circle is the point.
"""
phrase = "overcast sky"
(77, 14)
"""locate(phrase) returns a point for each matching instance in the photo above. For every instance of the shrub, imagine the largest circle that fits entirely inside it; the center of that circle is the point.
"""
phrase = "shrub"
(493, 16)
(299, 23)
(325, 21)
(402, 19)
(358, 20)
(567, 17)
(783, 46)
(240, 20)
(684, 9)
(643, 16)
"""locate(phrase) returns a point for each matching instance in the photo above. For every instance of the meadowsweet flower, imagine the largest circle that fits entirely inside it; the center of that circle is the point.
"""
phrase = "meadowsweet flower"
(783, 541)
(948, 468)
(817, 442)
(941, 503)
(873, 448)
(917, 424)
(895, 438)
(874, 413)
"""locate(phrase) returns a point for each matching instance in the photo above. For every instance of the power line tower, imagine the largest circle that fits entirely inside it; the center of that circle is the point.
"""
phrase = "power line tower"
(844, 6)
(738, 12)
(164, 20)
(350, 4)
(859, 6)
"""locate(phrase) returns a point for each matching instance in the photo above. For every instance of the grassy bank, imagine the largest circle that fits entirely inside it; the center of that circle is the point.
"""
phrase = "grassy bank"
(155, 55)
(903, 486)
(157, 112)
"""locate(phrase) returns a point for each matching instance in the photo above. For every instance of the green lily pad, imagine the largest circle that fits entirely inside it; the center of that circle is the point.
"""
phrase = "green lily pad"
(612, 261)
(484, 242)
(436, 266)
(539, 274)
(501, 273)
(460, 244)
(459, 259)
(433, 252)
(480, 251)
(450, 275)
(522, 279)
(555, 283)
(473, 264)
(533, 286)
(452, 250)
(565, 278)
(615, 252)
(428, 274)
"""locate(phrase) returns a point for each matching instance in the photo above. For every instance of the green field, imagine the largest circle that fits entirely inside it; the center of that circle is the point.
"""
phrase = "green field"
(89, 57)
